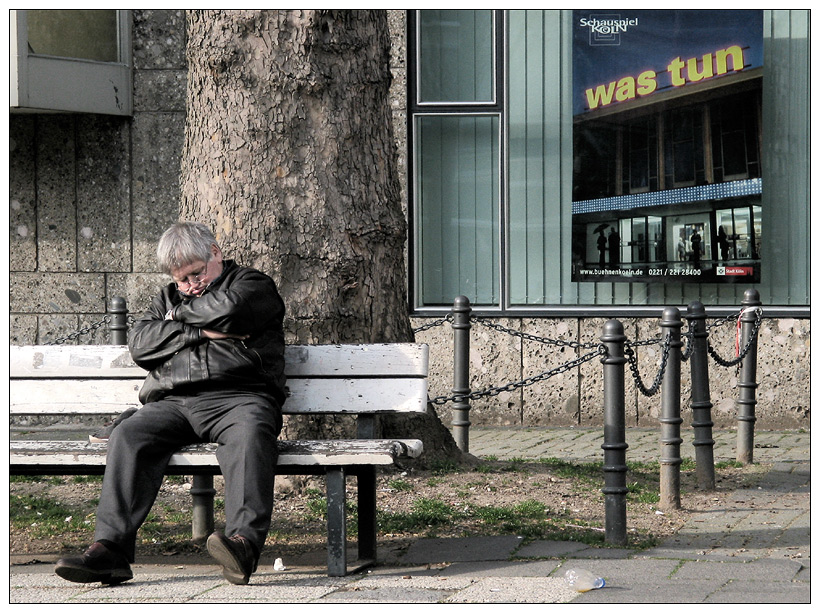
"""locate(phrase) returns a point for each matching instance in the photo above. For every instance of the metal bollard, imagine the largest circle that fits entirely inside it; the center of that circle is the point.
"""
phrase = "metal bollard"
(701, 402)
(670, 413)
(118, 324)
(747, 384)
(461, 372)
(614, 445)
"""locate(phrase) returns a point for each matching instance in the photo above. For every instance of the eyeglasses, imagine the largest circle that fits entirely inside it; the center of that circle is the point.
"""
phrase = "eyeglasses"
(194, 278)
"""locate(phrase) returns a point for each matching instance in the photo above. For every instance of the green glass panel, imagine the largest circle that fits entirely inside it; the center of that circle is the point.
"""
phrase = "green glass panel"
(87, 34)
(456, 56)
(457, 196)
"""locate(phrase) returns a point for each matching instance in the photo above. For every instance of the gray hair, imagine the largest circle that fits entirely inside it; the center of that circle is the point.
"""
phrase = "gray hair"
(184, 243)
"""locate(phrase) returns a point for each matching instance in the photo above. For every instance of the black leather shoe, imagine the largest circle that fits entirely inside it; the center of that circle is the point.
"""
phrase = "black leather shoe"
(236, 555)
(98, 563)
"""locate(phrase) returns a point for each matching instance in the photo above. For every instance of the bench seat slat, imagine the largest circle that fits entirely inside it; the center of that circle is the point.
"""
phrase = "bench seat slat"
(291, 453)
(114, 361)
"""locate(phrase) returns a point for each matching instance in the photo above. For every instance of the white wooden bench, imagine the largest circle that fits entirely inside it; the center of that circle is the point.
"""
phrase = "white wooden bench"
(98, 381)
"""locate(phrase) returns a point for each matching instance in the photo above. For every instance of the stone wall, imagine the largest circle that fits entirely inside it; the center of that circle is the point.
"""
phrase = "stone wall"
(576, 397)
(90, 195)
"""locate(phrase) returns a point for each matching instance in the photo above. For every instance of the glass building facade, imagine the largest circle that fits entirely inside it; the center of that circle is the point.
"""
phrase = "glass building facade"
(512, 189)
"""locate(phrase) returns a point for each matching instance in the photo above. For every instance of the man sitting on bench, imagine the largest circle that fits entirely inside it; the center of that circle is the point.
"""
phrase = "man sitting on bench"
(213, 344)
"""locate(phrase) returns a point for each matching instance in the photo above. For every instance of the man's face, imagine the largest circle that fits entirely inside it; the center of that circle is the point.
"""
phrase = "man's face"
(195, 277)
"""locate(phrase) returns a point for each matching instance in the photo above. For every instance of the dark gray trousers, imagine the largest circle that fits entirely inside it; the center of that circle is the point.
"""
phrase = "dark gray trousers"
(245, 425)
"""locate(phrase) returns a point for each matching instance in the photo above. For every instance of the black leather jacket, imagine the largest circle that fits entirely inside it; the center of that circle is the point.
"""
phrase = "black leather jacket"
(179, 359)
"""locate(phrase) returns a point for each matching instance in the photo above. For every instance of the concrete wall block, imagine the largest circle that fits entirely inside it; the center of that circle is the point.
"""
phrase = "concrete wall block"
(22, 329)
(53, 327)
(723, 390)
(783, 370)
(495, 361)
(56, 194)
(56, 293)
(103, 194)
(159, 39)
(440, 379)
(22, 193)
(59, 327)
(397, 23)
(649, 360)
(137, 289)
(159, 90)
(554, 401)
(591, 386)
(157, 151)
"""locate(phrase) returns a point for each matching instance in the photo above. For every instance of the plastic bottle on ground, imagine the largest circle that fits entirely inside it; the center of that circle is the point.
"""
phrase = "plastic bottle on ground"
(582, 580)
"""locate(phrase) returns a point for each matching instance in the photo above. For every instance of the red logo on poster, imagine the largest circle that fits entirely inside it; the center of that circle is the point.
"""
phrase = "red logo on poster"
(737, 270)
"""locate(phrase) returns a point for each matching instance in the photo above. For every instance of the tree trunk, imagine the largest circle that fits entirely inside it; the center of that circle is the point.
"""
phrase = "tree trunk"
(289, 156)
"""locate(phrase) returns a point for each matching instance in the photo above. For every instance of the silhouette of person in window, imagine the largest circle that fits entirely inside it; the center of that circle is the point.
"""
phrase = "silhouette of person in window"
(614, 248)
(723, 244)
(601, 248)
(696, 246)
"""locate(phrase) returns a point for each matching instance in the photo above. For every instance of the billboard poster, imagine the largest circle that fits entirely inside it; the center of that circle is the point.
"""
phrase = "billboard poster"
(667, 178)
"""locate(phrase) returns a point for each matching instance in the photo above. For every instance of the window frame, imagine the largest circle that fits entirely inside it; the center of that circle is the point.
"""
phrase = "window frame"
(43, 83)
(416, 109)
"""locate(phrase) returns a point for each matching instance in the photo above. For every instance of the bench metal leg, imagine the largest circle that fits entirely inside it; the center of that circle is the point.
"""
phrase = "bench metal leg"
(367, 514)
(336, 528)
(203, 493)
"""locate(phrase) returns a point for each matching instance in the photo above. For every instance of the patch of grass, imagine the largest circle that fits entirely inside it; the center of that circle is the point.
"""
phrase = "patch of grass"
(688, 464)
(35, 479)
(531, 509)
(316, 504)
(43, 517)
(317, 510)
(729, 464)
(641, 493)
(530, 519)
(444, 467)
(86, 479)
(584, 471)
(511, 465)
(643, 478)
(400, 485)
(425, 513)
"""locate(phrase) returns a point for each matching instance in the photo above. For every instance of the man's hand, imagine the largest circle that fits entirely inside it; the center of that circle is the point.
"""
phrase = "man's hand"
(214, 335)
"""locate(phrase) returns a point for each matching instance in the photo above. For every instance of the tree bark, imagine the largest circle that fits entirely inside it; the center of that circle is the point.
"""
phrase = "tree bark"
(289, 156)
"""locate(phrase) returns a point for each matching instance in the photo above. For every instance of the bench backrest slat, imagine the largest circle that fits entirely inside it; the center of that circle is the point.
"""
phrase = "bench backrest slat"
(73, 361)
(102, 379)
(103, 396)
(114, 361)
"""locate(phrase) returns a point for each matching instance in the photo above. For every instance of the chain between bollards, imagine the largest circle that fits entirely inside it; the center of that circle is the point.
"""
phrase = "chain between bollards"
(701, 402)
(670, 413)
(614, 445)
(747, 383)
